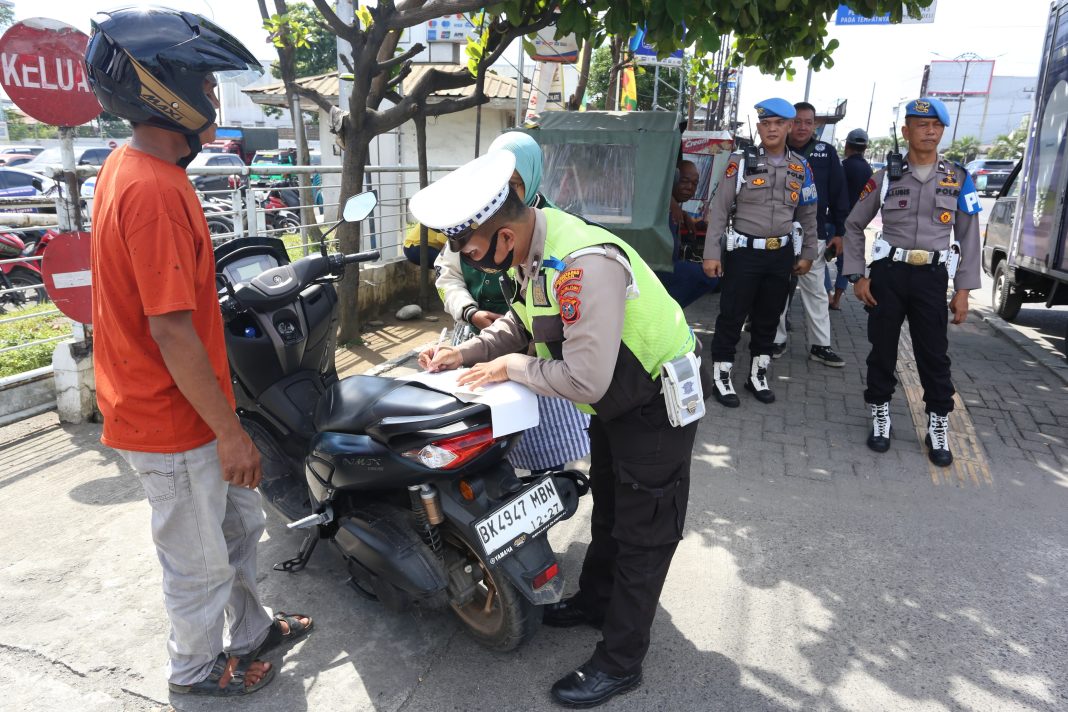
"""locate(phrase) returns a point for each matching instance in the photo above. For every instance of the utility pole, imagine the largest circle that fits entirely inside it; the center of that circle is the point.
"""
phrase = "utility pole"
(960, 103)
(867, 124)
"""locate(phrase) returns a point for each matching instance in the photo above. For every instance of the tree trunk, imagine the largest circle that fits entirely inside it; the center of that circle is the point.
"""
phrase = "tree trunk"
(349, 236)
(424, 180)
(575, 102)
(616, 48)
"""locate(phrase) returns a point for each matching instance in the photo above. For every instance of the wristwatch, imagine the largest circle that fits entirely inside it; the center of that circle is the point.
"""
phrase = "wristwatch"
(854, 278)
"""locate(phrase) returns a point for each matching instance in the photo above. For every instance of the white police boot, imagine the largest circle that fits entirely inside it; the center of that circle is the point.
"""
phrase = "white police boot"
(879, 439)
(757, 383)
(722, 387)
(937, 440)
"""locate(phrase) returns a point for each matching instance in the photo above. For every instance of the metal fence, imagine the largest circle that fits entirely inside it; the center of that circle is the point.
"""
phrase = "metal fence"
(297, 215)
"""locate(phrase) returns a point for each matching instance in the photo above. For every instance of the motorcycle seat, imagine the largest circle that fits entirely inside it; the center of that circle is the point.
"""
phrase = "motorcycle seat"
(354, 404)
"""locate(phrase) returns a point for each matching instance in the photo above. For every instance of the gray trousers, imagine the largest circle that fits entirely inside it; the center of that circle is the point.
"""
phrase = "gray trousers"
(205, 533)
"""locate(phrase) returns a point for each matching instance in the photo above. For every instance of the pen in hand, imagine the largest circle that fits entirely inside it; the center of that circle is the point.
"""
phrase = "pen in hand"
(441, 340)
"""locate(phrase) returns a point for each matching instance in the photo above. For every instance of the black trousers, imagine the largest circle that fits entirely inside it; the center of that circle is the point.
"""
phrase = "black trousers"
(640, 479)
(756, 284)
(918, 294)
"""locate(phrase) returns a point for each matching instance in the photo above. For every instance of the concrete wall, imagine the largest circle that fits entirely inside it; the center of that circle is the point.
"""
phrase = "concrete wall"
(25, 394)
(384, 285)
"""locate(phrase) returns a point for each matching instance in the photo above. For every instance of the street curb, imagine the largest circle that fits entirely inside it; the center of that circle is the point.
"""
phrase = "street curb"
(1056, 364)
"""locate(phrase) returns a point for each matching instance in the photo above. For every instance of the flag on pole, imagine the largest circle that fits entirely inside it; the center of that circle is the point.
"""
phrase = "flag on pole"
(628, 91)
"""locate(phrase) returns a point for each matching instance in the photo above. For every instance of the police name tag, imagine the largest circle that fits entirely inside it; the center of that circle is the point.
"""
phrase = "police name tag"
(682, 390)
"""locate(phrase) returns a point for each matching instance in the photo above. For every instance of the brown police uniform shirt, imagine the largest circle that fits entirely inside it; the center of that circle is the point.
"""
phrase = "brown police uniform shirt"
(920, 215)
(770, 200)
(592, 332)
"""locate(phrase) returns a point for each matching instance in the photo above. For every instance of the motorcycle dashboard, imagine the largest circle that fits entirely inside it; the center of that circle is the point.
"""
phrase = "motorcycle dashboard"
(247, 268)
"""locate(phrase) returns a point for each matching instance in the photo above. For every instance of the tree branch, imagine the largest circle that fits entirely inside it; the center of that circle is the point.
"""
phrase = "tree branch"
(313, 96)
(401, 76)
(407, 16)
(340, 27)
(400, 58)
(448, 106)
(347, 62)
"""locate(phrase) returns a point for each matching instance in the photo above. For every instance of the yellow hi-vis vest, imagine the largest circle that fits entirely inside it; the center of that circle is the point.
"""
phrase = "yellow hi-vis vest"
(654, 327)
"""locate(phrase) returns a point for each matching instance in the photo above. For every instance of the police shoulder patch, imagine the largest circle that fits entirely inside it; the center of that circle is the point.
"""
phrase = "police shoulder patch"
(732, 169)
(868, 189)
(569, 309)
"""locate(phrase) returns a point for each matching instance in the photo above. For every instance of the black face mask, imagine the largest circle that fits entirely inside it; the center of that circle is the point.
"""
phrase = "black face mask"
(486, 263)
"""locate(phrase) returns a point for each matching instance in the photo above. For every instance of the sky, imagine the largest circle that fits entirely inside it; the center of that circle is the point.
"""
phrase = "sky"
(892, 58)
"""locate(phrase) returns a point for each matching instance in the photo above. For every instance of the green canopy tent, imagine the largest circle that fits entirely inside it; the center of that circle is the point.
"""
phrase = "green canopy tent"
(615, 169)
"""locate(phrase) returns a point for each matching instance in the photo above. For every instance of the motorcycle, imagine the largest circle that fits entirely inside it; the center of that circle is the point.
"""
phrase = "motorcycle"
(409, 484)
(277, 211)
(21, 283)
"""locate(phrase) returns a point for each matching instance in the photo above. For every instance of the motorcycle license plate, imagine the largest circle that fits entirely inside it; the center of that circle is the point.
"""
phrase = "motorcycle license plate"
(508, 527)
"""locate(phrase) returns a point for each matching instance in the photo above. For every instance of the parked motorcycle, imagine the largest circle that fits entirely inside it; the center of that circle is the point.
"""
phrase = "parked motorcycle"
(22, 277)
(276, 207)
(408, 483)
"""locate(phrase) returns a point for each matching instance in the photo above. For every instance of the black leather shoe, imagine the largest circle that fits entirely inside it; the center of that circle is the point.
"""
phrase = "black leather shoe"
(878, 443)
(764, 395)
(568, 614)
(939, 457)
(589, 687)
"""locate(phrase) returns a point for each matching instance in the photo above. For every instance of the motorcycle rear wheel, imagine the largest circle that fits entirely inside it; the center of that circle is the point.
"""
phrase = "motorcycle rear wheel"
(498, 617)
(32, 292)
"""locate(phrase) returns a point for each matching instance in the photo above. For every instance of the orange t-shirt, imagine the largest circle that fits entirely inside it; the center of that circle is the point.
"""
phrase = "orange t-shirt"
(151, 255)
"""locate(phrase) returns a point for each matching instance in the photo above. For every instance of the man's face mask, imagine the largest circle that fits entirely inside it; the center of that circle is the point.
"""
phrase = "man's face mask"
(486, 263)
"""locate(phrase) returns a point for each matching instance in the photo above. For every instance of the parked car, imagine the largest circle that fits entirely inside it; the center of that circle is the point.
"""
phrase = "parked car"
(83, 156)
(989, 175)
(31, 150)
(15, 159)
(266, 166)
(20, 183)
(996, 242)
(214, 182)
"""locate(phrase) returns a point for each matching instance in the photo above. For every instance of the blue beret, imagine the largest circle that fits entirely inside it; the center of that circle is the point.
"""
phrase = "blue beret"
(928, 108)
(770, 108)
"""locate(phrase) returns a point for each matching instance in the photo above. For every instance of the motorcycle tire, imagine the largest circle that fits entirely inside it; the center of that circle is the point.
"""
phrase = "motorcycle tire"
(511, 621)
(218, 226)
(289, 224)
(33, 293)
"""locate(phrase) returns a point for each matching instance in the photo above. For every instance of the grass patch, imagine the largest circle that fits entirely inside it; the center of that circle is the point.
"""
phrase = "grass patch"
(21, 332)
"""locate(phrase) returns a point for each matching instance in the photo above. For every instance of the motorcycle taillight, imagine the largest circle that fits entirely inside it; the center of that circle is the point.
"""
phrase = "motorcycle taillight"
(451, 453)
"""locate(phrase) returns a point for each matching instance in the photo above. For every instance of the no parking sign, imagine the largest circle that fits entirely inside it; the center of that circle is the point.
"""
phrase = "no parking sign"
(67, 278)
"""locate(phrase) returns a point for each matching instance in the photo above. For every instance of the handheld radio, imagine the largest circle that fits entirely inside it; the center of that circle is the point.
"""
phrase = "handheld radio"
(895, 162)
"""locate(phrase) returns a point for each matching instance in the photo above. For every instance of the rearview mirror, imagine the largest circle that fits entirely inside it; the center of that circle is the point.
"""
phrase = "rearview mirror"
(359, 206)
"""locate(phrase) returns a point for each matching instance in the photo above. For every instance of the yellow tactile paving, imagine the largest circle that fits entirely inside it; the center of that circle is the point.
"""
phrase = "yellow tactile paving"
(969, 466)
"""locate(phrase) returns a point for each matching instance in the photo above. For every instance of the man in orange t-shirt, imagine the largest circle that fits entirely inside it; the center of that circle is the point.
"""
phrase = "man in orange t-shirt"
(163, 383)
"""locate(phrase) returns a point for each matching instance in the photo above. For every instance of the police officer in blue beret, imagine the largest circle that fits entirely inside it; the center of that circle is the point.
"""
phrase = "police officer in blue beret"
(765, 212)
(930, 236)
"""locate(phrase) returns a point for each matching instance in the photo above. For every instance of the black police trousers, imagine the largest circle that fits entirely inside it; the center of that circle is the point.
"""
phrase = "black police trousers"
(640, 480)
(756, 283)
(916, 293)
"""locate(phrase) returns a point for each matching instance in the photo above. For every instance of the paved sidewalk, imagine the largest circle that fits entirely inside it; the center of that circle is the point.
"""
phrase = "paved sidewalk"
(814, 575)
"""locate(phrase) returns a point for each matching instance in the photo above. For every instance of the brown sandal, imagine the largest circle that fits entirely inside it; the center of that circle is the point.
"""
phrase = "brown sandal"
(276, 639)
(227, 678)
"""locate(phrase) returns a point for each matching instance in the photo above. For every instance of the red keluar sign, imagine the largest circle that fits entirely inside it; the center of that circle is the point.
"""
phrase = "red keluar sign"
(42, 69)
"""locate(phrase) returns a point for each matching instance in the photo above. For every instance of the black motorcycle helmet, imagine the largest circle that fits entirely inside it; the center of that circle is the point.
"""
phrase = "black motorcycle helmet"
(148, 65)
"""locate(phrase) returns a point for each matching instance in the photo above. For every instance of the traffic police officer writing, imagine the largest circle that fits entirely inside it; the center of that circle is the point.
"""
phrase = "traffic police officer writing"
(766, 210)
(930, 235)
(603, 327)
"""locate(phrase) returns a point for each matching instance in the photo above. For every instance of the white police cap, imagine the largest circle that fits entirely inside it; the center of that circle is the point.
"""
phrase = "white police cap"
(458, 203)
